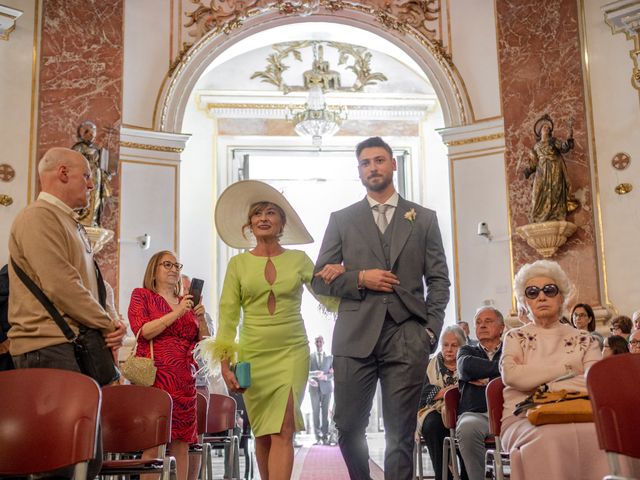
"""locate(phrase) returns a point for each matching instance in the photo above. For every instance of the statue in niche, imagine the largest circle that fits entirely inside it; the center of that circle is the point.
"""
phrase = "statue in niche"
(551, 196)
(98, 162)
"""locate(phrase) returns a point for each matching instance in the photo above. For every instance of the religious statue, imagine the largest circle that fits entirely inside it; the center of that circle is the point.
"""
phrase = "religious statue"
(90, 216)
(551, 195)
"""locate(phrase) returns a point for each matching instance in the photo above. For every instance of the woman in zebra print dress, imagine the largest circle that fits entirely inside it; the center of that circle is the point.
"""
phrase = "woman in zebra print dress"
(175, 325)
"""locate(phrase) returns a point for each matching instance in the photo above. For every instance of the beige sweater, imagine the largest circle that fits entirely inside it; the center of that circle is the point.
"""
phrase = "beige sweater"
(46, 244)
(532, 356)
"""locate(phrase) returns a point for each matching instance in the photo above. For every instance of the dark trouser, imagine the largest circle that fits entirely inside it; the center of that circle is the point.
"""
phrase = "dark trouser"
(398, 360)
(320, 405)
(62, 357)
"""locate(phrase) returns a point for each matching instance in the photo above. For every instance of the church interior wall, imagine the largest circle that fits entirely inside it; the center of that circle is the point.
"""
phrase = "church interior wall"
(616, 116)
(152, 37)
(18, 92)
(474, 52)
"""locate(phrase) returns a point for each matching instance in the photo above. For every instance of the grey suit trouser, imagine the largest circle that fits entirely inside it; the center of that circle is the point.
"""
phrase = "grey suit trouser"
(398, 360)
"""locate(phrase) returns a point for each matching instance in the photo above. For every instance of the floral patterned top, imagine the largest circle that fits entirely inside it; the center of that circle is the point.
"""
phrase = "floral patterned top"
(533, 355)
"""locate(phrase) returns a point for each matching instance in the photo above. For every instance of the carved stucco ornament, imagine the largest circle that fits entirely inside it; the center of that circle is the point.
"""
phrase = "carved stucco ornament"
(401, 15)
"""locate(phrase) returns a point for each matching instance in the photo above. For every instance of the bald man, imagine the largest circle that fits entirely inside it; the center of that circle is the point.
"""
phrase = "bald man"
(52, 248)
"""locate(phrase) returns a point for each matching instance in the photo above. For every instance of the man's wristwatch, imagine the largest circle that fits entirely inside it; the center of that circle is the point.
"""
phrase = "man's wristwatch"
(433, 340)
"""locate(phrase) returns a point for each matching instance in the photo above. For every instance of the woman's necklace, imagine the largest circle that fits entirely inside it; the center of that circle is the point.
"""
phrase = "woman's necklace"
(171, 302)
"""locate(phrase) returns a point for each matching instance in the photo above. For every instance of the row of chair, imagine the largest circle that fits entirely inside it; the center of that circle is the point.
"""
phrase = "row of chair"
(49, 420)
(614, 400)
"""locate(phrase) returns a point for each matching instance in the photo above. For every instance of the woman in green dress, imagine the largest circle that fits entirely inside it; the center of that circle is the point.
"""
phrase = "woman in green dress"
(263, 287)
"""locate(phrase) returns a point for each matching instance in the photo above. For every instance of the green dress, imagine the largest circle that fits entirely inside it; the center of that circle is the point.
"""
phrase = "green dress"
(275, 344)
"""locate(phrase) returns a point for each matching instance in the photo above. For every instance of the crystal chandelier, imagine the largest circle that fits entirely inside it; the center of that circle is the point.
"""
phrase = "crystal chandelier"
(316, 120)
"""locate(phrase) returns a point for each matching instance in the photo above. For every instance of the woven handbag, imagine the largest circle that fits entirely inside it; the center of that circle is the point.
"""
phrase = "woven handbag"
(139, 370)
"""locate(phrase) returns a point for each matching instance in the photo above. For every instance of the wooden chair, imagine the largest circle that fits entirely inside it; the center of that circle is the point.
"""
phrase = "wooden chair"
(497, 463)
(614, 391)
(48, 420)
(221, 421)
(136, 418)
(202, 449)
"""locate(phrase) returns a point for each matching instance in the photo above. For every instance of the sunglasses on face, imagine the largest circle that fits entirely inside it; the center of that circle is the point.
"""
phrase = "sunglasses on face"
(550, 290)
(169, 265)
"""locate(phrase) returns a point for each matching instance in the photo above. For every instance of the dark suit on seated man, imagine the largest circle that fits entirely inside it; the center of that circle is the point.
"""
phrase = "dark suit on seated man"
(477, 365)
(377, 255)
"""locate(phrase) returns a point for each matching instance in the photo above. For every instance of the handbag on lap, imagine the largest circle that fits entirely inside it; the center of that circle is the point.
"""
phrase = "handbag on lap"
(550, 407)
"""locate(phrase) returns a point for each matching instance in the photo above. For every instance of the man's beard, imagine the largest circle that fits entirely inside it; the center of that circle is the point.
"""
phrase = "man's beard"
(377, 187)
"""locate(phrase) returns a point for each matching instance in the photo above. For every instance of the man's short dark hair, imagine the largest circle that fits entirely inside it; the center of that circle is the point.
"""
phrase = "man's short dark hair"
(373, 142)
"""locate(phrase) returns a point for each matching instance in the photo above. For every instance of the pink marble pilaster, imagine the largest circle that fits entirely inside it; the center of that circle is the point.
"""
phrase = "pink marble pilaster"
(541, 72)
(81, 79)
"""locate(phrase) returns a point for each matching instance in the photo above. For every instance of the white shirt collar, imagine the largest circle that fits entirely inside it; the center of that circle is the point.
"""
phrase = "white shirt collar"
(392, 200)
(53, 200)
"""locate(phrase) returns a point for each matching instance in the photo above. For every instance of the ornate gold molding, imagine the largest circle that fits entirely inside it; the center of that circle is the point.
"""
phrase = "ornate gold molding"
(8, 17)
(154, 148)
(624, 16)
(227, 15)
(467, 141)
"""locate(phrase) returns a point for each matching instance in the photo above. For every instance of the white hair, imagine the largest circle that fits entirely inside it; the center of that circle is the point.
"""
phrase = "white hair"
(543, 268)
(497, 313)
(457, 332)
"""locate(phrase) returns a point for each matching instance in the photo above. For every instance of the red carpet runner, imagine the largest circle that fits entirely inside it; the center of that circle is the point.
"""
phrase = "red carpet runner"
(325, 463)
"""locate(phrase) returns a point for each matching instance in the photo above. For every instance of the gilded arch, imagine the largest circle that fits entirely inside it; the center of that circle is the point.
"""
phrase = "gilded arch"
(398, 24)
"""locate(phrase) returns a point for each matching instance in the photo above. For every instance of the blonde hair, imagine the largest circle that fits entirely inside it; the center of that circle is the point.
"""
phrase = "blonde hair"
(149, 281)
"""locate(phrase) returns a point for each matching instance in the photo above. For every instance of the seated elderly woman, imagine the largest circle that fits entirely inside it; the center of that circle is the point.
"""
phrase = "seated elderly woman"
(441, 376)
(540, 353)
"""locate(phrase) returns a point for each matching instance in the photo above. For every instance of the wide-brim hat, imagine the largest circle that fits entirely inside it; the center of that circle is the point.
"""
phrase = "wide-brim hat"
(233, 207)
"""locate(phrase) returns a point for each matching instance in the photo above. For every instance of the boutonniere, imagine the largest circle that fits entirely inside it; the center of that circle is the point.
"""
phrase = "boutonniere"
(411, 215)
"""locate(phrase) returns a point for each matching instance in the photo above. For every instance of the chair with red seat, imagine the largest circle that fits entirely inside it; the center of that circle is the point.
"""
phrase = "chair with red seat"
(42, 427)
(221, 421)
(133, 419)
(614, 391)
(497, 464)
(201, 448)
(450, 444)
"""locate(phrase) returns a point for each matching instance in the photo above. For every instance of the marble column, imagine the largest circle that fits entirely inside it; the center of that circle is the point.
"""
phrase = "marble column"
(541, 72)
(80, 78)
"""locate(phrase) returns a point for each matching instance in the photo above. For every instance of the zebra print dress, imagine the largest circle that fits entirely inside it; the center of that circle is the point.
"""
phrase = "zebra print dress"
(173, 356)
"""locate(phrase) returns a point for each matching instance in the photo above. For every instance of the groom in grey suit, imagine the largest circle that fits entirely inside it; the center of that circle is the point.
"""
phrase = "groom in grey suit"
(377, 256)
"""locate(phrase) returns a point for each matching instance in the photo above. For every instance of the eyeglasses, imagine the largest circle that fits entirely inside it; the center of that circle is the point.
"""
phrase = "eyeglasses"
(532, 292)
(580, 315)
(169, 265)
(634, 343)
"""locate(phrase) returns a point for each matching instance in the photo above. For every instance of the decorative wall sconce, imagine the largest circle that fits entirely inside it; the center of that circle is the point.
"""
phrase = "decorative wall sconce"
(5, 200)
(8, 17)
(623, 188)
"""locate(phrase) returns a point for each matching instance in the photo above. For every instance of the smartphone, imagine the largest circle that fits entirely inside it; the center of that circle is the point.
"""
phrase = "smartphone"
(196, 290)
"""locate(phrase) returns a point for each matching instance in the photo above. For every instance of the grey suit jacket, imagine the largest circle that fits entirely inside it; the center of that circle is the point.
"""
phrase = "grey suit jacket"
(417, 258)
(325, 386)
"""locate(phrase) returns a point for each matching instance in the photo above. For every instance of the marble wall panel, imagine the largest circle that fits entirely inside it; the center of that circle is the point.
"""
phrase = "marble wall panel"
(81, 79)
(541, 72)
